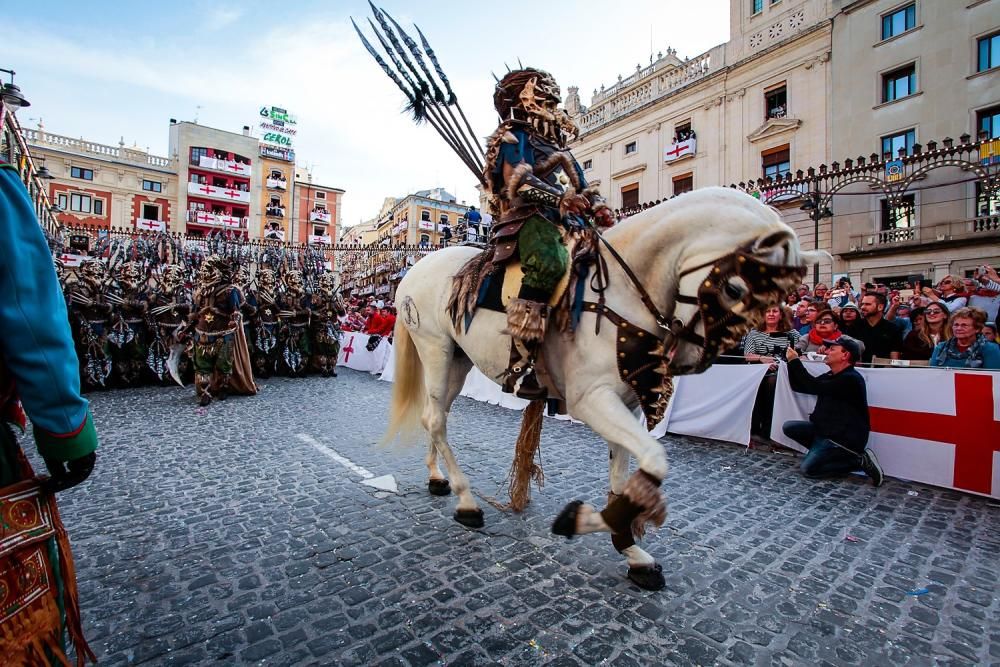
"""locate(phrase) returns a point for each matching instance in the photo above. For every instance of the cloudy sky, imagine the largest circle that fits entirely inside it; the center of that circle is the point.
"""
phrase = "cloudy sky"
(106, 70)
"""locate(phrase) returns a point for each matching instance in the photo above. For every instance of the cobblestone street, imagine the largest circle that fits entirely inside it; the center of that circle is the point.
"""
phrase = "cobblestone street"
(232, 535)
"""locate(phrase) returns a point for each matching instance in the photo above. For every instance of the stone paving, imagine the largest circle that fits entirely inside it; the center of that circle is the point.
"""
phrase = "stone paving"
(219, 536)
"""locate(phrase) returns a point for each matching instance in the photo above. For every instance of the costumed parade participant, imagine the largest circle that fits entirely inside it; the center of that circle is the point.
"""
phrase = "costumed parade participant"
(128, 329)
(294, 325)
(327, 309)
(170, 307)
(91, 316)
(38, 594)
(219, 343)
(540, 192)
(264, 326)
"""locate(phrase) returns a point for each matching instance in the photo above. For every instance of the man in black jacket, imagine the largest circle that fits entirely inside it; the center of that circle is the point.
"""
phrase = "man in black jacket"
(836, 434)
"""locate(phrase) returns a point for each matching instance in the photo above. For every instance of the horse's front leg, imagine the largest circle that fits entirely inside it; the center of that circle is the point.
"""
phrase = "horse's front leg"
(632, 503)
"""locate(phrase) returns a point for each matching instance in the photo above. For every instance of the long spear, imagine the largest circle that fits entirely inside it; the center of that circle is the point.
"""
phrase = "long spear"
(438, 95)
(415, 99)
(426, 96)
(423, 92)
(430, 99)
(452, 97)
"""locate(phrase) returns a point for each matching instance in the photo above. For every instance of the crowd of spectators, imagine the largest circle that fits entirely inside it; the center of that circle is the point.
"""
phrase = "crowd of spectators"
(376, 318)
(890, 324)
(951, 324)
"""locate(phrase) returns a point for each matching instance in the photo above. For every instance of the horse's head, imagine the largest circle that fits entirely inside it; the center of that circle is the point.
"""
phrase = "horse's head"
(754, 259)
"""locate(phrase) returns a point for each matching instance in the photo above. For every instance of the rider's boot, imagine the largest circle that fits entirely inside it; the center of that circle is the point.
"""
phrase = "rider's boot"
(526, 318)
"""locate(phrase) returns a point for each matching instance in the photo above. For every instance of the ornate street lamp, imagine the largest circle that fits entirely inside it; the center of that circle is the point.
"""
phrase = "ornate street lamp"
(11, 94)
(816, 213)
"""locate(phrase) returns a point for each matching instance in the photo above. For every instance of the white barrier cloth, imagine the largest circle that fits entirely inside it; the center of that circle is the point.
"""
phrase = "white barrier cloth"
(716, 404)
(354, 354)
(936, 426)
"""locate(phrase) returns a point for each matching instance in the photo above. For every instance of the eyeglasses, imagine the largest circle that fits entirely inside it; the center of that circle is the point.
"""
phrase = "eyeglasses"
(825, 320)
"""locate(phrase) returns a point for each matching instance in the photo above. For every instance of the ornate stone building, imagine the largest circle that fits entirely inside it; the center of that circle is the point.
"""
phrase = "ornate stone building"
(100, 186)
(804, 83)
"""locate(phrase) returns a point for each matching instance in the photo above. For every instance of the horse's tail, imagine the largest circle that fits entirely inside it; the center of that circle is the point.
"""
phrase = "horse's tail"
(408, 394)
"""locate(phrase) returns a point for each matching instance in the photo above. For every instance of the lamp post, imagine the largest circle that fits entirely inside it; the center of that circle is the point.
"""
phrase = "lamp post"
(11, 94)
(816, 212)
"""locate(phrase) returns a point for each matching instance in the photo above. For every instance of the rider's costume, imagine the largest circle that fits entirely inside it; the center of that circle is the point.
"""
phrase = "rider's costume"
(38, 598)
(538, 191)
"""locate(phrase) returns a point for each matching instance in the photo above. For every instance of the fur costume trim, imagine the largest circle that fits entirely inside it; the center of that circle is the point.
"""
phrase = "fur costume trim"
(644, 490)
(508, 137)
(521, 172)
(526, 320)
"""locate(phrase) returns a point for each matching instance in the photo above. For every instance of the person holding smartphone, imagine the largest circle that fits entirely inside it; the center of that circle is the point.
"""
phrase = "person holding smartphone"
(986, 292)
(947, 293)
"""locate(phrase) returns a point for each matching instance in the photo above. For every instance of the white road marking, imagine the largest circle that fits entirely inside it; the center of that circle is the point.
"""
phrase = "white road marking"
(342, 460)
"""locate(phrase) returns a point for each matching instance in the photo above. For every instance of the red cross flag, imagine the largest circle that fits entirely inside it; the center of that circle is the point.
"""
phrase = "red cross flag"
(930, 425)
(70, 260)
(679, 149)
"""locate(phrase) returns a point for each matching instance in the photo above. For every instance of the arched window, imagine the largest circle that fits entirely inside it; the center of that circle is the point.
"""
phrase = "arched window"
(425, 216)
(425, 239)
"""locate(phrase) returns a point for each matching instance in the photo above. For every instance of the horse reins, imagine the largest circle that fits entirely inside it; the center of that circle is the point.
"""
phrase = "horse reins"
(709, 305)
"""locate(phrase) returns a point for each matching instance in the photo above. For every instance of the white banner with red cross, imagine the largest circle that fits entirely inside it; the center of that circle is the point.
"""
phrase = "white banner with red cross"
(932, 425)
(355, 354)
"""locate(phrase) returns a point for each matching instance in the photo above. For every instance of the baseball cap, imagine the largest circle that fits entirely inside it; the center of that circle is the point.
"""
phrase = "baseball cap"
(850, 344)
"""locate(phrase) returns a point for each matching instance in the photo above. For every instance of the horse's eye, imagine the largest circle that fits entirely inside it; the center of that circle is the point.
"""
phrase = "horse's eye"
(732, 291)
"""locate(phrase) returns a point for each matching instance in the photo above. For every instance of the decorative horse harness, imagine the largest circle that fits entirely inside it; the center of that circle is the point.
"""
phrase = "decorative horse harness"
(642, 356)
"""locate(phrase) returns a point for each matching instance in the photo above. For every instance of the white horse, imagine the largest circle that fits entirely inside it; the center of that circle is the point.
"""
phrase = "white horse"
(679, 249)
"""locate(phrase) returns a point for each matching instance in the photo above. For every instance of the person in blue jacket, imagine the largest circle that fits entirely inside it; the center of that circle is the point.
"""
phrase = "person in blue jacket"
(40, 382)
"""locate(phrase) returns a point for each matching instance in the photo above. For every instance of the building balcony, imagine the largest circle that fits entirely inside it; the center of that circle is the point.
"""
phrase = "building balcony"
(320, 240)
(982, 229)
(275, 211)
(224, 166)
(212, 220)
(274, 234)
(425, 225)
(147, 225)
(221, 194)
(277, 184)
(319, 216)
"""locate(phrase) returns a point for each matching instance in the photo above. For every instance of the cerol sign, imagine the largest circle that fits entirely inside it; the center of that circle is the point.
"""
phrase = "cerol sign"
(277, 126)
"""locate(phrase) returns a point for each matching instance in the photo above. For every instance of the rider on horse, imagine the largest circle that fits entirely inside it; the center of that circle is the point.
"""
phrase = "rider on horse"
(538, 190)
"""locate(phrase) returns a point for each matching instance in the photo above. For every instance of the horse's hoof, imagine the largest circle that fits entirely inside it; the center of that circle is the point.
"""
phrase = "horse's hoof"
(439, 487)
(648, 577)
(565, 523)
(470, 518)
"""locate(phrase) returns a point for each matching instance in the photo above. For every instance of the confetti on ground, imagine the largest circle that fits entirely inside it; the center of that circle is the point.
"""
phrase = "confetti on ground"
(851, 538)
(919, 591)
(201, 412)
(912, 493)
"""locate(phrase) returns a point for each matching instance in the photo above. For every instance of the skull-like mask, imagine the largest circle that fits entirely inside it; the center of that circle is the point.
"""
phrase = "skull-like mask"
(327, 283)
(172, 277)
(130, 275)
(93, 270)
(293, 281)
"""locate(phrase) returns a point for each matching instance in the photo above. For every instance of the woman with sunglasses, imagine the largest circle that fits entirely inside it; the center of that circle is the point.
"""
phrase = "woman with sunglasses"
(927, 332)
(825, 328)
(967, 347)
(949, 296)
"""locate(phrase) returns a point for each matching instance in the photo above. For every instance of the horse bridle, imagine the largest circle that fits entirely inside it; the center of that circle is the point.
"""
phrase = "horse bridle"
(717, 319)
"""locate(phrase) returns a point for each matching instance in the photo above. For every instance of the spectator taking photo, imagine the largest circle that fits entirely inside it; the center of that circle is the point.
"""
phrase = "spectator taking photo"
(836, 434)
